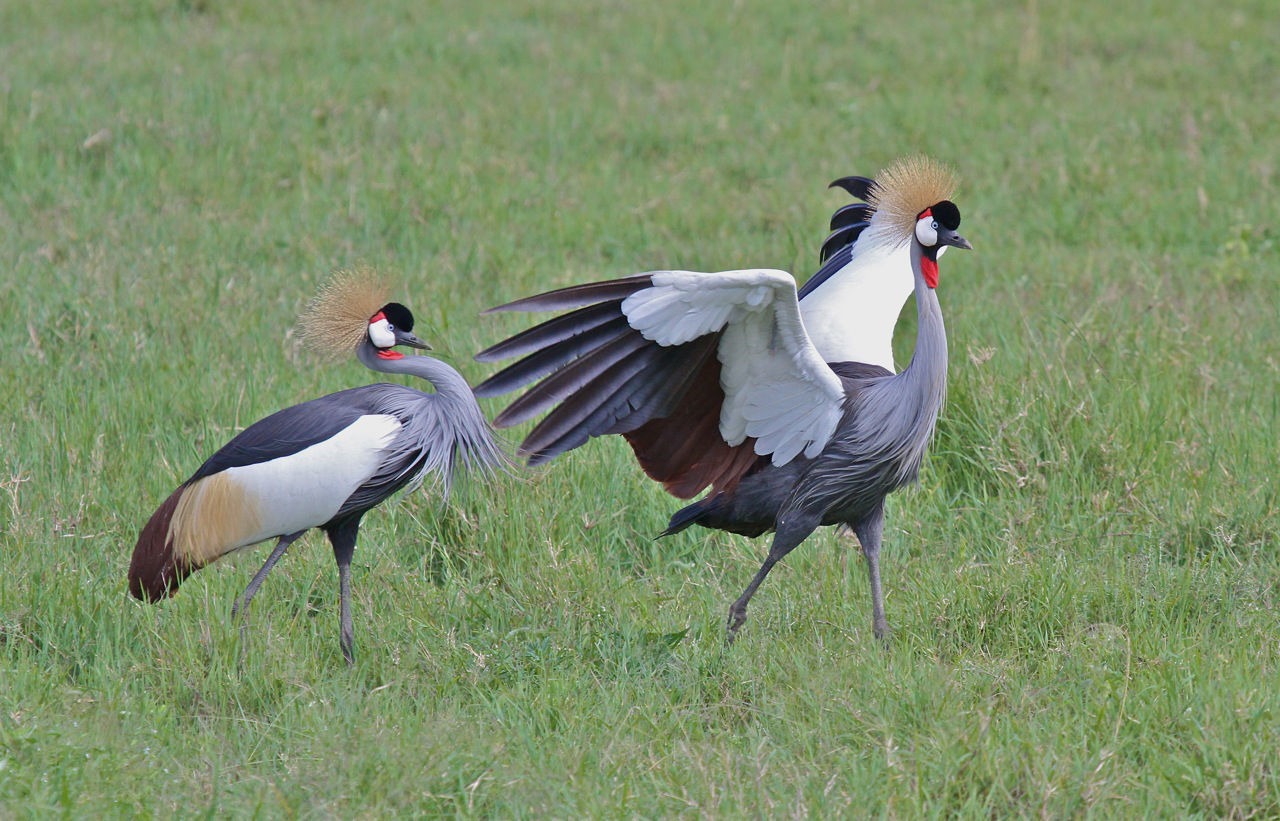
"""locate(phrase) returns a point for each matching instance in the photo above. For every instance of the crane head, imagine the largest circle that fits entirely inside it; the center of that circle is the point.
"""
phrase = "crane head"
(392, 325)
(936, 228)
(936, 231)
(912, 200)
(345, 315)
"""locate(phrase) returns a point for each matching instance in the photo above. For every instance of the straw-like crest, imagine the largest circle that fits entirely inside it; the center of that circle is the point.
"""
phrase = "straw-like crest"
(337, 318)
(906, 188)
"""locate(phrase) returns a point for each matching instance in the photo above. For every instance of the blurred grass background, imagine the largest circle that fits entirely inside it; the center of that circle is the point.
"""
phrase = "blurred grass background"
(1084, 585)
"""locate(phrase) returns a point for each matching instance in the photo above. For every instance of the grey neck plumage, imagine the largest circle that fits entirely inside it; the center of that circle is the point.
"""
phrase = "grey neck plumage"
(926, 376)
(449, 384)
(898, 413)
(459, 429)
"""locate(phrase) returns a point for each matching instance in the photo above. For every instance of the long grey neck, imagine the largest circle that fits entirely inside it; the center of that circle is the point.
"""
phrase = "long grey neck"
(927, 373)
(449, 384)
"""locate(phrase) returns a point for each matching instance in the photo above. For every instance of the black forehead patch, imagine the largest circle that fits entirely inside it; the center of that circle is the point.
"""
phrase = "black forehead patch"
(398, 315)
(947, 214)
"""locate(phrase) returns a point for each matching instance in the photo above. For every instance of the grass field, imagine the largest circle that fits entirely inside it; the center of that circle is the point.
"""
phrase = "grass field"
(1085, 585)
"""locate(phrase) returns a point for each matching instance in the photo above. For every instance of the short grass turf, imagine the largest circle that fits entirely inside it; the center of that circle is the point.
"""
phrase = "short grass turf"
(1084, 584)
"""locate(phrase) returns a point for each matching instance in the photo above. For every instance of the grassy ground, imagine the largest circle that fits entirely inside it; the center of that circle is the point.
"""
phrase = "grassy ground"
(1084, 585)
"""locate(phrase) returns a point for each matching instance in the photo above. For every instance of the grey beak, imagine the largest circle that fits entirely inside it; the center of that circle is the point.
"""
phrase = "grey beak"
(405, 338)
(959, 242)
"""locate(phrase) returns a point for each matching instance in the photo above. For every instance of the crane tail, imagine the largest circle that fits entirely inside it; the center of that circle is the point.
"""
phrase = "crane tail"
(685, 517)
(199, 523)
(154, 572)
(718, 512)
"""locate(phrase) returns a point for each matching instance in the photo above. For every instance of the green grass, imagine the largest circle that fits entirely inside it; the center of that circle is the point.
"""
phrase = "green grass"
(1084, 585)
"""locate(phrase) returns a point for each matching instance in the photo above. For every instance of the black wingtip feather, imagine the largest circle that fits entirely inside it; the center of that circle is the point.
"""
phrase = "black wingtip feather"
(552, 358)
(634, 389)
(837, 260)
(840, 238)
(859, 187)
(580, 416)
(553, 331)
(850, 215)
(575, 296)
(540, 457)
(569, 379)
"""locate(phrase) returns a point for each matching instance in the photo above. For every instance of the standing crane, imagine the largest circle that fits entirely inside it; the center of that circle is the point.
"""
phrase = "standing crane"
(323, 463)
(718, 380)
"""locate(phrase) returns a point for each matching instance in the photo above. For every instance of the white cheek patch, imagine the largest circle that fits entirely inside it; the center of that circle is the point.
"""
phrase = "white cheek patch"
(927, 232)
(380, 334)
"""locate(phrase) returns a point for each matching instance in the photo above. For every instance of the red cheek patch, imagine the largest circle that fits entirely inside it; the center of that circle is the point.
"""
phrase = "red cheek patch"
(378, 316)
(929, 267)
(390, 354)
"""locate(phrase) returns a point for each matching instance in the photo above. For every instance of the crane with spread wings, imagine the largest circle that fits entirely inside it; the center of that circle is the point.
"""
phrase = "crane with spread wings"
(729, 381)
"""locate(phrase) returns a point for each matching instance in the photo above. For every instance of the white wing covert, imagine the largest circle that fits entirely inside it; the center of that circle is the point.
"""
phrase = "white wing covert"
(777, 387)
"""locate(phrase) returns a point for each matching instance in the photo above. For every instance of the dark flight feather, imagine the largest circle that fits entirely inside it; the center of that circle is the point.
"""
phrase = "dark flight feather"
(553, 330)
(554, 356)
(575, 296)
(569, 379)
(847, 215)
(860, 187)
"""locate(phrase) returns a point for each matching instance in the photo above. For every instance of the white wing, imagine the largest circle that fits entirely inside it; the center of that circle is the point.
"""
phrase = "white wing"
(777, 387)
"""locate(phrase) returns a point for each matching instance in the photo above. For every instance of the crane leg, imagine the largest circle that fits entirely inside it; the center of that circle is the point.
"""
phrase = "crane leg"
(343, 539)
(242, 603)
(790, 533)
(869, 531)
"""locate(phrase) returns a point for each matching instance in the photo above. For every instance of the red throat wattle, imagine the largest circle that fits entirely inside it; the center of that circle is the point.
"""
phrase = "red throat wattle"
(929, 267)
(387, 353)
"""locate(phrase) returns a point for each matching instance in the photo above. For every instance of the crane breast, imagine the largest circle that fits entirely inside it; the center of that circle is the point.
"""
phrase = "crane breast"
(246, 504)
(851, 315)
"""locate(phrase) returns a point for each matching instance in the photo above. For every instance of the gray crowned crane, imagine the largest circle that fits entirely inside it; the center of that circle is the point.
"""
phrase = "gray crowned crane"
(729, 380)
(323, 463)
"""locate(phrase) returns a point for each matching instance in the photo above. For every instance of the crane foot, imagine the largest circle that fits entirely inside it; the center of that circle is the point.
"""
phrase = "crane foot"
(346, 639)
(737, 617)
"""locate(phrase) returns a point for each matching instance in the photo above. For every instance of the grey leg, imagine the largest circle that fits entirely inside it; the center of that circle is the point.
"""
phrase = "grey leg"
(242, 603)
(346, 633)
(869, 531)
(790, 533)
(343, 539)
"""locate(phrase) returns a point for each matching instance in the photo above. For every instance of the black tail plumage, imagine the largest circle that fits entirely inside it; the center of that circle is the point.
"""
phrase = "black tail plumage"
(686, 516)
